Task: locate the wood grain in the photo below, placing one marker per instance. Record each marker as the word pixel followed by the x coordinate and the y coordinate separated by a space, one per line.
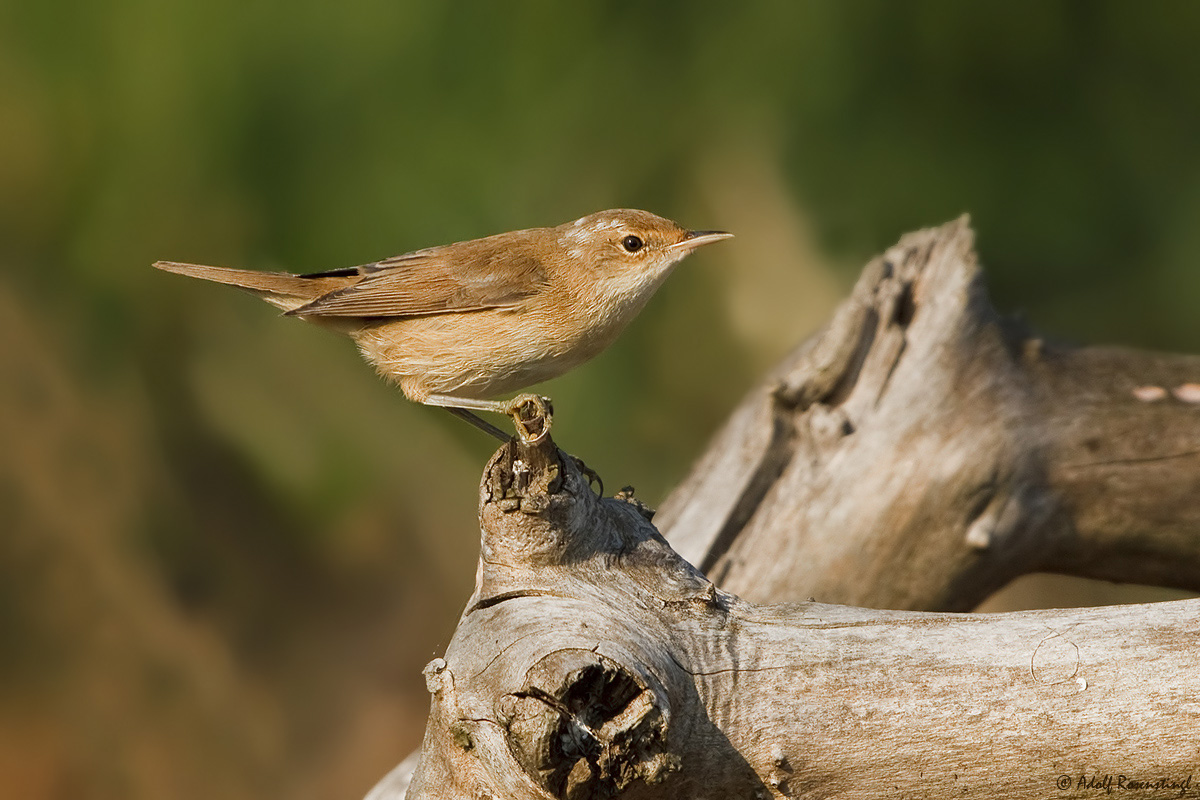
pixel 922 451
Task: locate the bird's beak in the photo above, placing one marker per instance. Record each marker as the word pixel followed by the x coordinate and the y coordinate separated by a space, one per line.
pixel 693 239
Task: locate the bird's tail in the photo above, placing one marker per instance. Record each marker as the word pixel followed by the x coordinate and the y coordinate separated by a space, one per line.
pixel 280 289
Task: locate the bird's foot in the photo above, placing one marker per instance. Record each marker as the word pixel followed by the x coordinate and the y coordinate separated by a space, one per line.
pixel 532 415
pixel 592 476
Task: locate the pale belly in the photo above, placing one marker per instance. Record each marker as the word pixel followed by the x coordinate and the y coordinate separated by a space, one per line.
pixel 479 355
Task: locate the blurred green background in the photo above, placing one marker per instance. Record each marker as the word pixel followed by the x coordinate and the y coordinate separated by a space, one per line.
pixel 227 548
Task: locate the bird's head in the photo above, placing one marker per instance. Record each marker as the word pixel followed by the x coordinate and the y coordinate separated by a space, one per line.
pixel 628 252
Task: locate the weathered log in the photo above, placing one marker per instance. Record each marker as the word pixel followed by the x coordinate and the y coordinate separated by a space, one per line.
pixel 595 662
pixel 921 452
pixel 918 453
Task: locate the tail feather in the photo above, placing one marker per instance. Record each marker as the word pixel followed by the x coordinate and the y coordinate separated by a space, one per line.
pixel 280 289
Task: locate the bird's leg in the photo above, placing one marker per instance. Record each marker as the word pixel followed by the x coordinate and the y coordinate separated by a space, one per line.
pixel 478 422
pixel 531 413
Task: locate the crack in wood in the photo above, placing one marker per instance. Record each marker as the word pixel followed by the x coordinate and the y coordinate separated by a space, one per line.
pixel 495 600
pixel 774 460
pixel 1114 462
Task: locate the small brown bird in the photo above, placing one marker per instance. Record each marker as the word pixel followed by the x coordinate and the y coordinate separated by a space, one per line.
pixel 459 324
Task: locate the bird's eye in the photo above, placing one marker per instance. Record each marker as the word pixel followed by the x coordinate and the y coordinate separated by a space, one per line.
pixel 632 244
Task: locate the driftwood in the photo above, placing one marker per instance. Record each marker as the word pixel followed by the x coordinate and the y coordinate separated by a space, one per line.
pixel 921 452
pixel 918 453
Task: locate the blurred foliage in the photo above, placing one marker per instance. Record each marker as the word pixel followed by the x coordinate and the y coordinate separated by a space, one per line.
pixel 228 548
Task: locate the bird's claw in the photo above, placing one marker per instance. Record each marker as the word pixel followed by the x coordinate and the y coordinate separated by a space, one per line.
pixel 591 475
pixel 532 416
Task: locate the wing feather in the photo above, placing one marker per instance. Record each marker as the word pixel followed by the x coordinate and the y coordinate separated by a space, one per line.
pixel 468 276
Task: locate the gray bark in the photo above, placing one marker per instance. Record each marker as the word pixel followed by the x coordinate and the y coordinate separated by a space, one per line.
pixel 594 662
pixel 916 454
pixel 921 452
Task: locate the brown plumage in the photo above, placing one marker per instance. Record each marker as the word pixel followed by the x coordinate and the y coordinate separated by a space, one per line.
pixel 456 324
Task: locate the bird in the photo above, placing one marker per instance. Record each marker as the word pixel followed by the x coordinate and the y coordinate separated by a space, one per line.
pixel 459 325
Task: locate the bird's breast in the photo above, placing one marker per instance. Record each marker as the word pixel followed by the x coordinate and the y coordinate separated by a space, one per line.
pixel 493 352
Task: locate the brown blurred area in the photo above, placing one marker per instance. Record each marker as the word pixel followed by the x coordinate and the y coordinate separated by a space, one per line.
pixel 172 626
pixel 227 549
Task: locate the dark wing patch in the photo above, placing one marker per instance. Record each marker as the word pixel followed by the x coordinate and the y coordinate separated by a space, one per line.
pixel 440 280
pixel 344 272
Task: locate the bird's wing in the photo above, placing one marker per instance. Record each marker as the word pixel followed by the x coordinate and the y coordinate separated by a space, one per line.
pixel 466 277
